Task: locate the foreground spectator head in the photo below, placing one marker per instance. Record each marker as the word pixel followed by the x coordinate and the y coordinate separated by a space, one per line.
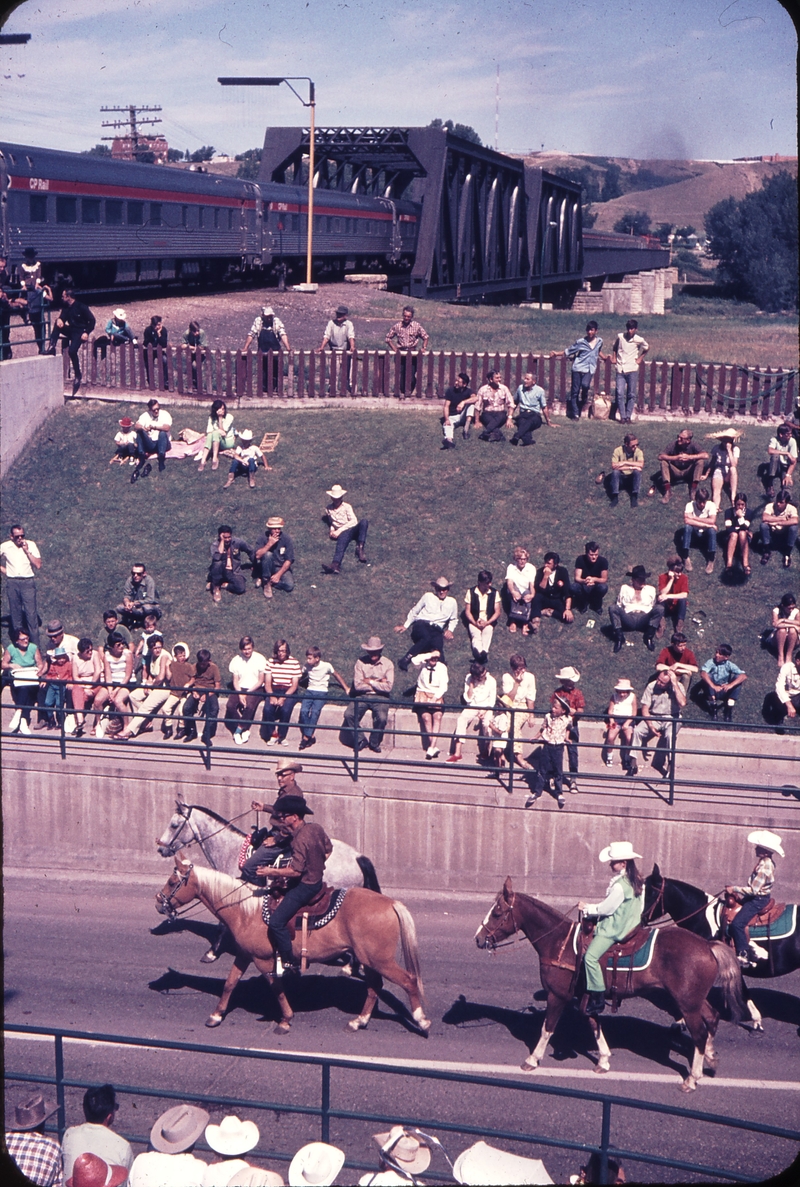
pixel 91 1171
pixel 178 1129
pixel 100 1104
pixel 30 1114
pixel 232 1136
pixel 477 671
pixel 373 648
pixel 638 575
pixel 441 586
pixel 517 663
pixel 316 1163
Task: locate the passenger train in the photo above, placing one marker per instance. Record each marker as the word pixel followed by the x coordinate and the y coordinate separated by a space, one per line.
pixel 116 223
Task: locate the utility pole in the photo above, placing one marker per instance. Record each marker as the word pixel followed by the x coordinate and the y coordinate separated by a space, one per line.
pixel 497 110
pixel 133 124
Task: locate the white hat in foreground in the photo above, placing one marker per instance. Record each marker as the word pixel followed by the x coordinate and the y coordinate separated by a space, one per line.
pixel 569 674
pixel 623 685
pixel 245 435
pixel 618 851
pixel 486 1166
pixel 766 840
pixel 383 1179
pixel 232 1136
pixel 253 1176
pixel 404 1149
pixel 315 1165
pixel 336 491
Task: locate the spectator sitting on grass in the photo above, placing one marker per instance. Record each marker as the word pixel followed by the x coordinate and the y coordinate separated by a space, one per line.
pixel 723 464
pixel 700 527
pixel 247 673
pixel 432 621
pixel 722 682
pixel 96 1135
pixel 636 609
pixel 627 463
pixel 782 459
pixel 680 658
pixel 125 441
pixel 590 583
pixel 152 433
pixel 787 688
pixel 682 462
pixel 248 455
pixel 493 406
pixel 274 557
pixel 737 528
pixel 531 403
pixel 113 625
pixel 521 588
pixel 317 673
pixel 219 434
pixel 139 597
pixel 673 593
pixel 344 527
pixel 779 528
pixel 482 608
pixel 786 625
pixel 226 563
pixel 553 597
pixel 458 409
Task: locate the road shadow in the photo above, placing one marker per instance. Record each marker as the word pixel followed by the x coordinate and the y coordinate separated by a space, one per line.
pixel 573 1037
pixel 207 931
pixel 308 995
pixel 777 1006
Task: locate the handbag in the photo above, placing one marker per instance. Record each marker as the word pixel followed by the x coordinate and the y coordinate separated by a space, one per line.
pixel 519 611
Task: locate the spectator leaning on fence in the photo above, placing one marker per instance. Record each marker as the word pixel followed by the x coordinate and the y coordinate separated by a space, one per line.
pixel 339 338
pixel 629 349
pixel 402 337
pixel 585 355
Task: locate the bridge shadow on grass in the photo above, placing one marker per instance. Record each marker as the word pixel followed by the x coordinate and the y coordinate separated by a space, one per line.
pixel 573 1037
pixel 309 994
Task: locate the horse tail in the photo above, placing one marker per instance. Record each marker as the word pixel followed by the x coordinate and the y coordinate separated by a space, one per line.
pixel 368 870
pixel 408 938
pixel 729 979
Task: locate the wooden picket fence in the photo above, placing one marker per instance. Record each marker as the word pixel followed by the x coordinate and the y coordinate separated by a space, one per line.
pixel 680 388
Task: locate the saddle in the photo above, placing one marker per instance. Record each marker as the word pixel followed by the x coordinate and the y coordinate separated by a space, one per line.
pixel 609 960
pixel 314 909
pixel 768 915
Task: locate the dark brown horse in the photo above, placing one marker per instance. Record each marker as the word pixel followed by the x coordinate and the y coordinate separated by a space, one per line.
pixel 682 964
pixel 367 924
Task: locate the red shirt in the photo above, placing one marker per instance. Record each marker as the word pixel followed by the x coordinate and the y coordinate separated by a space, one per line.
pixel 574 698
pixel 680 584
pixel 668 657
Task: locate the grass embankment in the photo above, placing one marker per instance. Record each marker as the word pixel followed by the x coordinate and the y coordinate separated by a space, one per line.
pixel 430 513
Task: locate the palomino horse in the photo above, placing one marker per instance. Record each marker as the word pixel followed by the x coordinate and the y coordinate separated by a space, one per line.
pixel 699 912
pixel 682 964
pixel 220 843
pixel 367 924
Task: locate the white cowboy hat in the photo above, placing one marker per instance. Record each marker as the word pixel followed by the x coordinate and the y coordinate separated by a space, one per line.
pixel 255 1177
pixel 404 1149
pixel 267 311
pixel 623 685
pixel 315 1165
pixel 618 851
pixel 441 583
pixel 178 1129
pixel 486 1166
pixel 245 435
pixel 382 1179
pixel 232 1136
pixel 766 840
pixel 119 313
pixel 569 674
pixel 336 491
pixel 185 647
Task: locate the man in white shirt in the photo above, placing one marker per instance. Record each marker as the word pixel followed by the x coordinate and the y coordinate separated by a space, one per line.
pixel 782 458
pixel 247 670
pixel 344 527
pixel 96 1135
pixel 494 404
pixel 628 350
pixel 480 697
pixel 700 525
pixel 340 336
pixel 152 433
pixel 779 528
pixel 19 563
pixel 787 688
pixel 432 620
pixel 636 609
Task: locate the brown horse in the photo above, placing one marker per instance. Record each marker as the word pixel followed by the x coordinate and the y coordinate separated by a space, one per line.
pixel 367 924
pixel 682 964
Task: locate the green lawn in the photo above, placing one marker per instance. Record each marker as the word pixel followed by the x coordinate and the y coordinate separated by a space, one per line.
pixel 430 513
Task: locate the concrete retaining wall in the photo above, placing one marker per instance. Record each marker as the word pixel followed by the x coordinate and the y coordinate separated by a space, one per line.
pixel 104 814
pixel 30 389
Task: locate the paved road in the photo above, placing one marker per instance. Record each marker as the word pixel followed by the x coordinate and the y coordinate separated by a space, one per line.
pixel 81 955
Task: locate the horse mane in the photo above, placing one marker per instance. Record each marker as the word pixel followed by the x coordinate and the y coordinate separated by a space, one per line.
pixel 222 888
pixel 554 915
pixel 685 887
pixel 216 816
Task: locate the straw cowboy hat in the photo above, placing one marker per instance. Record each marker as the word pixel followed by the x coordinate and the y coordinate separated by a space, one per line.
pixel 178 1128
pixel 275 521
pixel 618 851
pixel 766 840
pixel 30 1113
pixel 441 583
pixel 404 1149
pixel 255 1177
pixel 336 491
pixel 373 643
pixel 623 685
pixel 232 1136
pixel 569 674
pixel 288 764
pixel 725 435
pixel 245 435
pixel 90 1171
pixel 315 1165
pixel 485 1166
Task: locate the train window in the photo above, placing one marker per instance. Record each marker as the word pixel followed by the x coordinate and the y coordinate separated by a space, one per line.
pixel 155 214
pixel 200 215
pixel 90 210
pixel 295 222
pixel 337 225
pixel 217 213
pixel 66 209
pixel 113 212
pixel 38 208
pixel 230 219
pixel 184 216
pixel 135 214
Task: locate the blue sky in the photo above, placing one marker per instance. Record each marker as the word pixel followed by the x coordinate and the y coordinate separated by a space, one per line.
pixel 639 78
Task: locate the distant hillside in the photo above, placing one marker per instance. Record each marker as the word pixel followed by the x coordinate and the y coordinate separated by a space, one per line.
pixel 677 192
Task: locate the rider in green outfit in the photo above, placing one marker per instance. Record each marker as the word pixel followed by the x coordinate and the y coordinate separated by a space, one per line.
pixel 619 913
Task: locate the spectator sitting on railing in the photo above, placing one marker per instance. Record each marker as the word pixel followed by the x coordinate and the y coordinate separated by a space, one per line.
pixel 661 704
pixel 203 686
pixel 281 681
pixel 155 336
pixel 96 1136
pixel 87 669
pixel 117 675
pixel 373 679
pixel 126 443
pixel 317 673
pixel 519 692
pixel 172 1138
pixel 182 672
pixel 571 695
pixel 23 660
pixel 480 697
pixel 39 1158
pixel 118 333
pixel 74 325
pixel 139 597
pixel 432 684
pixel 247 675
pixel 154 691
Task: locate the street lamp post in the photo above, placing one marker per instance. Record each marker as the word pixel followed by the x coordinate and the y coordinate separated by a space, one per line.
pixel 312 104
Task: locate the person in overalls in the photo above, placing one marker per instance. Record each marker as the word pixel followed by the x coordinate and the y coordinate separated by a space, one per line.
pixel 756 894
pixel 619 913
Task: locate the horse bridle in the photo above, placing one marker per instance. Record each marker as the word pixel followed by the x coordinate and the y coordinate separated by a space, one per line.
pixel 185 812
pixel 166 900
pixel 650 911
pixel 491 942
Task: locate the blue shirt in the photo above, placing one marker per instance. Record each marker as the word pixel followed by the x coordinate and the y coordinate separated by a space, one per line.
pixel 532 399
pixel 722 673
pixel 584 355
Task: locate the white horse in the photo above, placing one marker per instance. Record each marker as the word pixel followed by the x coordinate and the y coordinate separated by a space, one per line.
pixel 194 827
